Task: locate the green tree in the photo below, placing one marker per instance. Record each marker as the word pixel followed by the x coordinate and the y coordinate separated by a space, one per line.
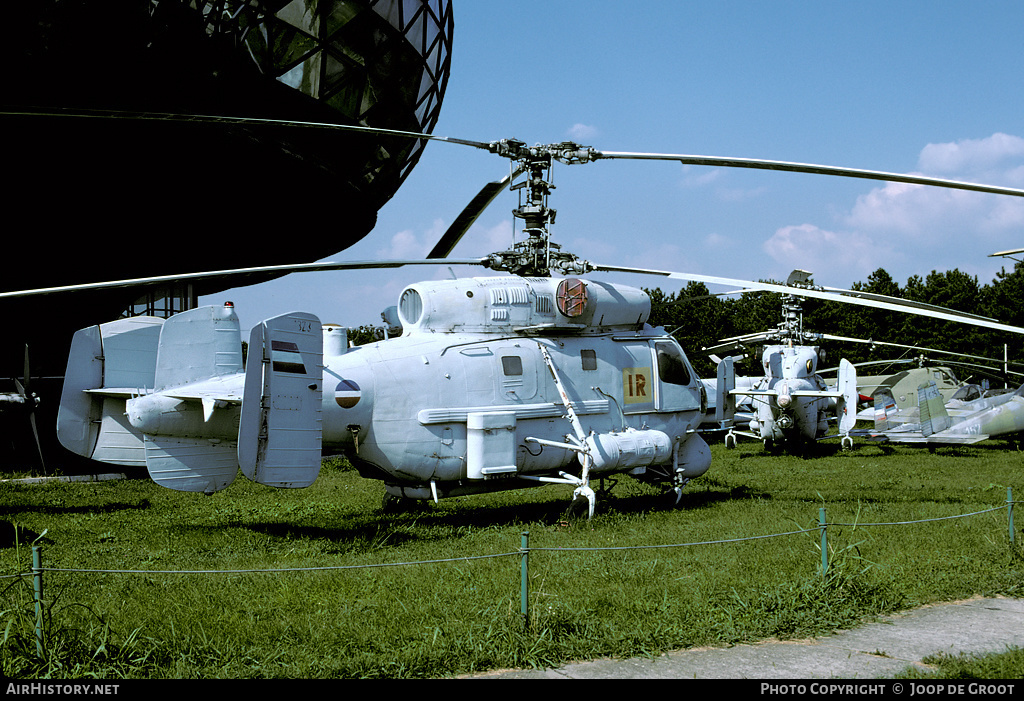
pixel 694 317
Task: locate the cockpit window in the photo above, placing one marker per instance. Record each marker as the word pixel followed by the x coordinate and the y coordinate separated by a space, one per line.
pixel 672 368
pixel 968 393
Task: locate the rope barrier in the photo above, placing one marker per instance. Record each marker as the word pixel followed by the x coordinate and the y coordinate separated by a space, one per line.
pixel 286 569
pixel 924 520
pixel 513 553
pixel 524 551
pixel 675 545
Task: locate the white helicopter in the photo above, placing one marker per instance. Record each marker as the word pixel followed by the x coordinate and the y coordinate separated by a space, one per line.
pixel 791 404
pixel 496 383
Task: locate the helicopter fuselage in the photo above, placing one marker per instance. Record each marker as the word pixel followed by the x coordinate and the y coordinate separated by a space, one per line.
pixel 459 410
pixel 469 402
pixel 792 405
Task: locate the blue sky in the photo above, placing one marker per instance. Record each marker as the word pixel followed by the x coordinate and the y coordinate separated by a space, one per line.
pixel 903 86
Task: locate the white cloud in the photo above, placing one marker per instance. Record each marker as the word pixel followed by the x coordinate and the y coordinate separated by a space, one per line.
pixel 971 155
pixel 944 223
pixel 834 257
pixel 409 244
pixel 490 239
pixel 699 177
pixel 582 132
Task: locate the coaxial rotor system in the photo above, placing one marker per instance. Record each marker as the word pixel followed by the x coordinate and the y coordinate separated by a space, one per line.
pixel 537 254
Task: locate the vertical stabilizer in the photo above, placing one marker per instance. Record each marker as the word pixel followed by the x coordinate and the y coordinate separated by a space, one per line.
pixel 934 417
pixel 189 442
pixel 280 433
pixel 191 464
pixel 885 409
pixel 107 364
pixel 725 400
pixel 198 345
pixel 846 407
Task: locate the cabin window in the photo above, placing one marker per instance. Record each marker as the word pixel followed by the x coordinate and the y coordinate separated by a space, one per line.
pixel 512 365
pixel 589 358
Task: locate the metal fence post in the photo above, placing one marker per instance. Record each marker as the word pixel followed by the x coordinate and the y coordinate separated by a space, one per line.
pixel 37 585
pixel 1009 508
pixel 824 541
pixel 524 579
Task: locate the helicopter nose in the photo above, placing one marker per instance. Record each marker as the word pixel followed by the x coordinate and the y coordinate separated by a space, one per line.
pixel 784 398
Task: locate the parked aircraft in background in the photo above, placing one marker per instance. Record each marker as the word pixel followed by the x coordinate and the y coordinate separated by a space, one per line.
pixel 936 422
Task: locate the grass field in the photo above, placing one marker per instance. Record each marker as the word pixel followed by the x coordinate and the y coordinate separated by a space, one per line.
pixel 189 613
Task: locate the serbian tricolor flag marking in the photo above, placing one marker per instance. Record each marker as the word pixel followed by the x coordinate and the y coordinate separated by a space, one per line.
pixel 286 357
pixel 347 394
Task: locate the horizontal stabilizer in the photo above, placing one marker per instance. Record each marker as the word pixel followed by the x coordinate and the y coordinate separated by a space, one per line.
pixel 916 437
pixel 191 464
pixel 280 432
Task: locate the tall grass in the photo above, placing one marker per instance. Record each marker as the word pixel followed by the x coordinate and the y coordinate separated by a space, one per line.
pixel 452 617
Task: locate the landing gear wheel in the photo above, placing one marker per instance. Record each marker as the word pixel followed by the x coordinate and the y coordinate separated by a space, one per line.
pixel 847 443
pixel 392 504
pixel 730 440
pixel 678 487
pixel 583 500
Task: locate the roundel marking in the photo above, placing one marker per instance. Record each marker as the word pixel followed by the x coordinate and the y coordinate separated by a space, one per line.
pixel 347 394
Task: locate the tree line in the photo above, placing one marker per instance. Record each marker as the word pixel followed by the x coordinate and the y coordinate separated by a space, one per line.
pixel 699 320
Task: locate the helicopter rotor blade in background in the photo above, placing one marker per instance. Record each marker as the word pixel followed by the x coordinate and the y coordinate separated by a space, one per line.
pixel 872 342
pixel 844 296
pixel 468 216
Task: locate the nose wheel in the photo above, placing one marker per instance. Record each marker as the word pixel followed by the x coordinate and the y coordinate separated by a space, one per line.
pixel 680 482
pixel 583 497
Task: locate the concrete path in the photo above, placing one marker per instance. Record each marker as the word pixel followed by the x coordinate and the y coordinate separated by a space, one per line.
pixel 872 651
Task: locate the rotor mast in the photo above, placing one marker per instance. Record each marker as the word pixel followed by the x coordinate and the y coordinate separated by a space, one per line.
pixel 538 255
pixel 791 329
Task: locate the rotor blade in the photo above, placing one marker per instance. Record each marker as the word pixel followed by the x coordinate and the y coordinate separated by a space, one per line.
pixel 903 345
pixel 39 444
pixel 899 300
pixel 468 216
pixel 283 269
pixel 578 154
pixel 240 121
pixel 847 296
pixel 809 168
pixel 1011 252
pixel 27 374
